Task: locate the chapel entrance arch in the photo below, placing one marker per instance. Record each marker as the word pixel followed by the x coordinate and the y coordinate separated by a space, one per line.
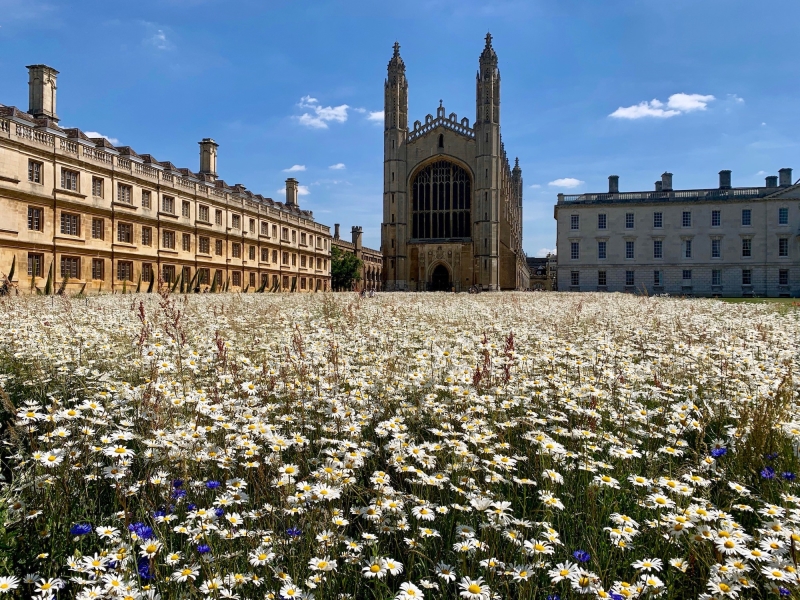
pixel 440 279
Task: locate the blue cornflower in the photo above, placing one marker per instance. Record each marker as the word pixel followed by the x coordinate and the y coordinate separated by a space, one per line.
pixel 143 531
pixel 788 476
pixel 219 511
pixel 717 452
pixel 784 591
pixel 143 567
pixel 293 532
pixel 191 506
pixel 212 485
pixel 177 483
pixel 771 456
pixel 553 597
pixel 617 596
pixel 768 473
pixel 159 513
pixel 204 548
pixel 80 529
pixel 178 493
pixel 581 556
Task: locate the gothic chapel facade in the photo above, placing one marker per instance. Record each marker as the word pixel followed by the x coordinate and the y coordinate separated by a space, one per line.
pixel 452 205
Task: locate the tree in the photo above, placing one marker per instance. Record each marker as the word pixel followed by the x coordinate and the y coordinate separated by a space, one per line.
pixel 345 269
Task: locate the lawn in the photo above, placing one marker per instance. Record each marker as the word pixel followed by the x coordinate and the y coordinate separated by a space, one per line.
pixel 405 446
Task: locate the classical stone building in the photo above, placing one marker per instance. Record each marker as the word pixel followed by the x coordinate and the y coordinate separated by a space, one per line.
pixel 106 218
pixel 371 260
pixel 452 205
pixel 723 241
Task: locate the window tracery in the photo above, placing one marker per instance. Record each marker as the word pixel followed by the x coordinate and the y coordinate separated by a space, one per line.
pixel 441 197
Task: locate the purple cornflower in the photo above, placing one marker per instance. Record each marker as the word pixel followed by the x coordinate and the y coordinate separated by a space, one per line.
pixel 293 532
pixel 581 556
pixel 204 548
pixel 788 476
pixel 80 529
pixel 717 452
pixel 212 485
pixel 771 456
pixel 768 473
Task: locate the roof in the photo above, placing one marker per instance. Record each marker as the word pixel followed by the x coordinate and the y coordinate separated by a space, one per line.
pixel 700 195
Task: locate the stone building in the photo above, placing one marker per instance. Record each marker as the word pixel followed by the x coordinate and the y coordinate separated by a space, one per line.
pixel 107 218
pixel 371 260
pixel 723 241
pixel 452 204
pixel 542 272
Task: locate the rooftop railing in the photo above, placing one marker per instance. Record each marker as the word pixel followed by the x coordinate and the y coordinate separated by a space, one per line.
pixel 706 194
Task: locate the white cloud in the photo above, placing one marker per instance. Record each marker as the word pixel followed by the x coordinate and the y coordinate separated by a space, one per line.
pixel 337 167
pixel 95 134
pixel 159 40
pixel 761 173
pixel 736 98
pixel 566 182
pixel 375 115
pixel 295 169
pixel 535 186
pixel 360 110
pixel 545 251
pixel 322 115
pixel 676 105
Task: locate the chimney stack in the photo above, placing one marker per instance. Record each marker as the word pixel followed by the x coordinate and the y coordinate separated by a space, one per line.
pixel 42 91
pixel 613 184
pixel 666 182
pixel 725 179
pixel 336 231
pixel 208 157
pixel 291 192
pixel 772 181
pixel 658 186
pixel 356 233
pixel 785 177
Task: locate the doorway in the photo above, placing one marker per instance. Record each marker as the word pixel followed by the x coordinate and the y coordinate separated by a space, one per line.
pixel 440 279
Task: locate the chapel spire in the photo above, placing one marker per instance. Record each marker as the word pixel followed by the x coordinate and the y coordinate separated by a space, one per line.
pixel 395 104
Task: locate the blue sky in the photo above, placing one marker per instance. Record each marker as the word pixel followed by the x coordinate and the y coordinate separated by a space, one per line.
pixel 702 85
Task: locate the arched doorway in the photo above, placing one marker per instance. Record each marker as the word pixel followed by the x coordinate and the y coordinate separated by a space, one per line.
pixel 440 279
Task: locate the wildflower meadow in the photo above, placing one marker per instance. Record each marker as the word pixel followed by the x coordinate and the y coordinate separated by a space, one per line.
pixel 408 446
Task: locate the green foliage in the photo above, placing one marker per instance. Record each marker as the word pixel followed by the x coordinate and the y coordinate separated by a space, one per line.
pixel 345 269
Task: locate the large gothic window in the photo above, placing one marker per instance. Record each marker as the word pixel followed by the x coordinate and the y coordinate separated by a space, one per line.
pixel 440 202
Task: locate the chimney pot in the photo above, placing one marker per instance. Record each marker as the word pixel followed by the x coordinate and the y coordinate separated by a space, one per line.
pixel 356 233
pixel 785 177
pixel 208 157
pixel 613 184
pixel 291 192
pixel 42 91
pixel 336 231
pixel 666 182
pixel 658 186
pixel 772 181
pixel 725 179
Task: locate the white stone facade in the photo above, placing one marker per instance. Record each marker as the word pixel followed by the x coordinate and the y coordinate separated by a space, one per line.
pixel 715 242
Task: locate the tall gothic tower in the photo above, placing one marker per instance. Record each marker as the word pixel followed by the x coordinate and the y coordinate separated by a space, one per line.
pixel 395 202
pixel 488 158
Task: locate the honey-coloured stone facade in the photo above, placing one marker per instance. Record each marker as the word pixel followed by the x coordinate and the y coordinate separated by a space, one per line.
pixel 106 218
